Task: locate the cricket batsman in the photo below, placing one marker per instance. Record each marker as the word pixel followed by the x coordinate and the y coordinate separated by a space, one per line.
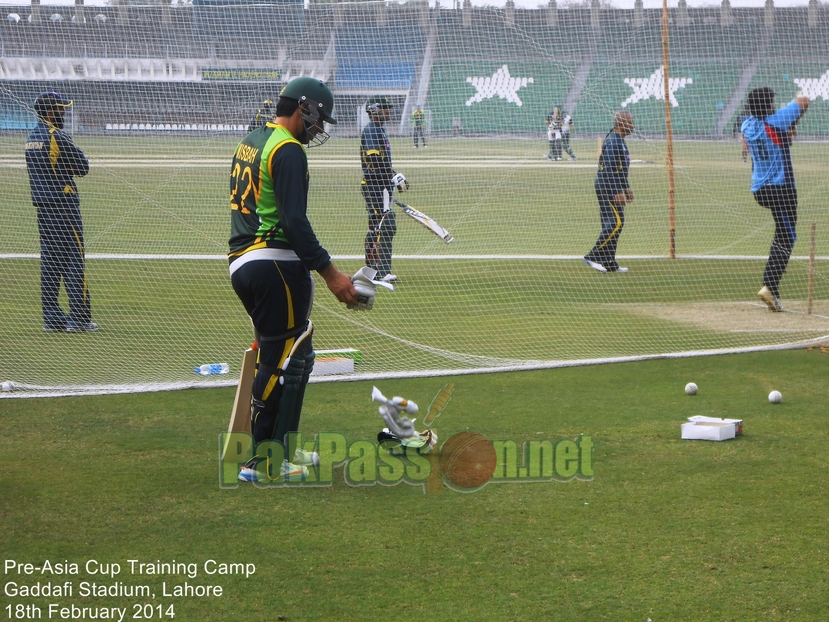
pixel 379 183
pixel 273 249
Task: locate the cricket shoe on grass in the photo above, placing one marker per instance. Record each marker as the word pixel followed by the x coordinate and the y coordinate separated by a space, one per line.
pixel 248 471
pixel 306 458
pixel 594 265
pixel 81 327
pixel 617 268
pixel 294 472
pixel 289 472
pixel 772 301
pixel 389 278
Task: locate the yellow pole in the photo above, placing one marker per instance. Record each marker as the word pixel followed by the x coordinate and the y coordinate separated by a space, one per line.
pixel 669 157
pixel 811 270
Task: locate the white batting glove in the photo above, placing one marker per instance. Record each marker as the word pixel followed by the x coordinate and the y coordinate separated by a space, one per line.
pixel 390 409
pixel 363 282
pixel 399 182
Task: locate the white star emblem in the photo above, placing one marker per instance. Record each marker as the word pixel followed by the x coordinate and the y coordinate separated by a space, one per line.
pixel 814 87
pixel 654 86
pixel 499 83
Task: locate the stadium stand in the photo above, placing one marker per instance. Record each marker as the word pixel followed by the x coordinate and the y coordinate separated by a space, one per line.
pixel 377 57
pixel 414 52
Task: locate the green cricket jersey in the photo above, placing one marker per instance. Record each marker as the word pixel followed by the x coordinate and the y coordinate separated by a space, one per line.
pixel 269 197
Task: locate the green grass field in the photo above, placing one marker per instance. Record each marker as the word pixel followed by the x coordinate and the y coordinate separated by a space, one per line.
pixel 457 306
pixel 665 530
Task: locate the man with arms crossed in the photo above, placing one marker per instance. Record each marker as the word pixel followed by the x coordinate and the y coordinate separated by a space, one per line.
pixel 273 248
pixel 768 136
pixel 53 161
pixel 613 192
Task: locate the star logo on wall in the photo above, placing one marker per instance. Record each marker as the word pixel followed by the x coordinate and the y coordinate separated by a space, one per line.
pixel 814 87
pixel 499 83
pixel 654 86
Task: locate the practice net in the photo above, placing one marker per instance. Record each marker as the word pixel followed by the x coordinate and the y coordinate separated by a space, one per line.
pixel 163 93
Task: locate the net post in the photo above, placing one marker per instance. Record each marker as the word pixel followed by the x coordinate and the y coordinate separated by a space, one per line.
pixel 811 289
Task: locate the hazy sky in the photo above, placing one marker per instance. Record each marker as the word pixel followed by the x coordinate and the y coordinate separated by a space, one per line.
pixel 528 4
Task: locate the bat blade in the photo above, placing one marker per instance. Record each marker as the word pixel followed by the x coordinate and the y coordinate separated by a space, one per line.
pixel 240 417
pixel 426 221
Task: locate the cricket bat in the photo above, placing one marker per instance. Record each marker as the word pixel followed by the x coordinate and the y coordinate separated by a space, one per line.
pixel 240 417
pixel 427 222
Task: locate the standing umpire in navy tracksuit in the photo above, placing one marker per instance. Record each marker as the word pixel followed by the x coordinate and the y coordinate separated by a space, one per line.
pixel 53 161
pixel 613 192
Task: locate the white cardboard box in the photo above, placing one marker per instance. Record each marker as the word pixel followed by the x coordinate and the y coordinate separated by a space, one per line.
pixel 329 365
pixel 711 428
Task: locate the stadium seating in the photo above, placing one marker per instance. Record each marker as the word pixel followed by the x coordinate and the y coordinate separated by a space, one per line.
pixel 378 57
pixel 364 48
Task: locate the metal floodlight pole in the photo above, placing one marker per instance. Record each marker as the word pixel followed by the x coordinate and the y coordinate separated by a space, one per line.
pixel 669 157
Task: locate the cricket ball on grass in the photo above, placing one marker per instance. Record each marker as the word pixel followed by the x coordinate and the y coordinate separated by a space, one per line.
pixel 468 459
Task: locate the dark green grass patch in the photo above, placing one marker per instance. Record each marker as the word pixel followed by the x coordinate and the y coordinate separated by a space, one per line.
pixel 666 529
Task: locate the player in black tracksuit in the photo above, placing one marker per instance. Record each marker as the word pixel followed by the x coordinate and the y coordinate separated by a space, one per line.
pixel 53 161
pixel 378 185
pixel 613 192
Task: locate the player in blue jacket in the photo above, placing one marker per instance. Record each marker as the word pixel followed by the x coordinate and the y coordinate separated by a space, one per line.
pixel 768 135
pixel 53 161
pixel 613 192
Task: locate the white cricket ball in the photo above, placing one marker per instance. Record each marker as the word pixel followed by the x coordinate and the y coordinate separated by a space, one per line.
pixel 691 388
pixel 8 385
pixel 775 397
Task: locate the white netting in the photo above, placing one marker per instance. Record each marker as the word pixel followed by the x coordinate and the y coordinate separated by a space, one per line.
pixel 164 92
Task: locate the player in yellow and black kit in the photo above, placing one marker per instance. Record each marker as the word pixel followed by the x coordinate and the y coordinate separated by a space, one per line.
pixel 418 117
pixel 262 116
pixel 379 183
pixel 273 249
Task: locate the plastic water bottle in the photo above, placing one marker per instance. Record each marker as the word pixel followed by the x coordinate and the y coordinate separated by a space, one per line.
pixel 213 368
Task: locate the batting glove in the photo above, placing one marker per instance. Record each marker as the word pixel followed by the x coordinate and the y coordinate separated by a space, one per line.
pixel 399 182
pixel 366 286
pixel 390 409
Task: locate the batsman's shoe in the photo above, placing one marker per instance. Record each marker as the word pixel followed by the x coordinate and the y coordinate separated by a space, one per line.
pixel 289 472
pixel 81 327
pixel 294 472
pixel 389 278
pixel 248 471
pixel 772 301
pixel 305 458
pixel 594 265
pixel 617 268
